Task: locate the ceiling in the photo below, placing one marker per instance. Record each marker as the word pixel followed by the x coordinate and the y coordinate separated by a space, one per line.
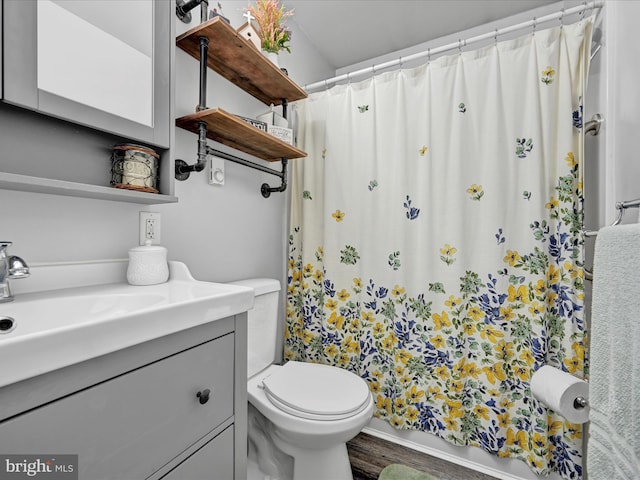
pixel 346 32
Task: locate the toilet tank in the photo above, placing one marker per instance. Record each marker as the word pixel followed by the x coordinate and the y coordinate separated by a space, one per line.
pixel 262 324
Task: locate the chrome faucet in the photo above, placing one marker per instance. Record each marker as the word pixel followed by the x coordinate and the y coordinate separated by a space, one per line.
pixel 10 267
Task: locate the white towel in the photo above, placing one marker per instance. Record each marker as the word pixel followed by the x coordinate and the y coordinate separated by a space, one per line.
pixel 613 451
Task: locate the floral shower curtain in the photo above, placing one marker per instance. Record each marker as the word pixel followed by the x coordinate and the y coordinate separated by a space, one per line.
pixel 435 245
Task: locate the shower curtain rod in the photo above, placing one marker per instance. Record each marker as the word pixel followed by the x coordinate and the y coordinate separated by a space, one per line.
pixel 460 43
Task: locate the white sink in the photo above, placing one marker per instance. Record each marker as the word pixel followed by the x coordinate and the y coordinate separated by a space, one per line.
pixel 57 328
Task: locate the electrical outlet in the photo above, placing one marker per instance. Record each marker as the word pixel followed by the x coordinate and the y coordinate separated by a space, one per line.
pixel 150 228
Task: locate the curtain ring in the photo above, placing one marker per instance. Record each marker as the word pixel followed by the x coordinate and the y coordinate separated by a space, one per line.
pixel 584 10
pixel 459 46
pixel 326 84
pixel 495 38
pixel 349 78
pixel 428 56
pixel 562 18
pixel 400 61
pixel 535 24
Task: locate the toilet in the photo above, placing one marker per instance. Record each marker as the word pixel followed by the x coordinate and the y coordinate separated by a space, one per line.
pixel 300 414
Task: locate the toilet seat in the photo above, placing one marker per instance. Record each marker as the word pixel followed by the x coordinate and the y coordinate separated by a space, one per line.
pixel 316 392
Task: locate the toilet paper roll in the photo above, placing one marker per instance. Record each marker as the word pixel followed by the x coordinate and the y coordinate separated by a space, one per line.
pixel 558 390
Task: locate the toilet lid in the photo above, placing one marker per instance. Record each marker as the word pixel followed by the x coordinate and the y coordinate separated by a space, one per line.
pixel 315 391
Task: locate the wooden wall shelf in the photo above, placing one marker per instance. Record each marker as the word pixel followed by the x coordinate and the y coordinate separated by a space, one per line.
pixel 229 130
pixel 237 60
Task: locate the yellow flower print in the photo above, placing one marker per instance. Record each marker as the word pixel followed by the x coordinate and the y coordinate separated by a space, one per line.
pixel 475 313
pixel 553 275
pixel 475 191
pixel 406 380
pixel 335 320
pixel 456 386
pixel 411 414
pixel 399 370
pixel 296 276
pixel 469 329
pixel 318 276
pixel 397 422
pixel 487 332
pixel 521 372
pixel 308 269
pixel 574 430
pixel 518 295
pixel 351 345
pixel 547 75
pixel 536 309
pixel 539 441
pixel 527 356
pixel 455 408
pixel 481 411
pixel 383 403
pixel 573 364
pixel 453 302
pixel 414 395
pixel 308 337
pixel 343 295
pixel 540 288
pixel 471 370
pixel 494 372
pixel 572 270
pixel 338 215
pixel 451 423
pixel 378 374
pixel 434 392
pixel 343 359
pixel 578 347
pixel 571 160
pixel 441 320
pixel 389 342
pixel 535 461
pixel 331 304
pixel 552 206
pixel 374 387
pixel 518 438
pixel 331 350
pixel 378 329
pixel 357 282
pixel 504 420
pixel 423 150
pixel 399 404
pixel 511 257
pixel 442 372
pixel 403 356
pixel 507 312
pixel 506 403
pixel 437 342
pixel 504 350
pixel 446 254
pixel 367 317
pixel 397 290
pixel 555 427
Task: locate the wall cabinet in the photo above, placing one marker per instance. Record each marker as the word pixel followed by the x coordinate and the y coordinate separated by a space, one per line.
pixel 94 65
pixel 181 415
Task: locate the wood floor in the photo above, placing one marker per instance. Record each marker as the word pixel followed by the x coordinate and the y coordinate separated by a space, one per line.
pixel 369 455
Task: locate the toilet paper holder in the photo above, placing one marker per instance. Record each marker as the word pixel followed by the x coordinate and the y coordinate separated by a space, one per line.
pixel 580 402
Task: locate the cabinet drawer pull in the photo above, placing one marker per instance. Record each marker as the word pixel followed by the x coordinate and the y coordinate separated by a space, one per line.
pixel 203 396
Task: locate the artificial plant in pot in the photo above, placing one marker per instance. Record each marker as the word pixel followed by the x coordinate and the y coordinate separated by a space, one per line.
pixel 271 18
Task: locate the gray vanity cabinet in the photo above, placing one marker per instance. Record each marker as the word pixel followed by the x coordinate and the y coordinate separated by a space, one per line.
pixel 174 408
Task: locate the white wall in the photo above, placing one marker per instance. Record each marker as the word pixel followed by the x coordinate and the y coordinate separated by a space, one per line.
pixel 221 233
